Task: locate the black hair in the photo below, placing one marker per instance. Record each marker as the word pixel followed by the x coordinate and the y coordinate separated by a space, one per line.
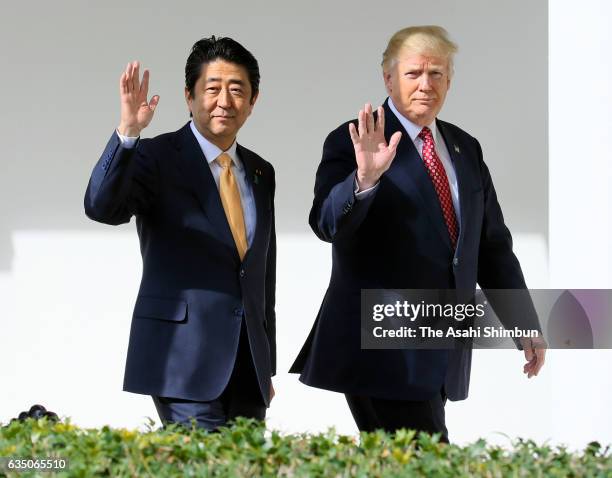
pixel 210 49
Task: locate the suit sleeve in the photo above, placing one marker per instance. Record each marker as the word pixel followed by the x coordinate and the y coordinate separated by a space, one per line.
pixel 271 284
pixel 498 266
pixel 124 182
pixel 335 212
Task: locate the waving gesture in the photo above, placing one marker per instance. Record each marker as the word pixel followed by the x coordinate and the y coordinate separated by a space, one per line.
pixel 136 111
pixel 373 154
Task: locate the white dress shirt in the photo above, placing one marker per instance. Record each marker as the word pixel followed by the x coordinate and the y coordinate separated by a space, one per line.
pixel 413 131
pixel 211 153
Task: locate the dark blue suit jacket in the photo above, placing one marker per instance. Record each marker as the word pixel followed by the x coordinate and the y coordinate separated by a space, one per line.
pixel 194 290
pixel 396 238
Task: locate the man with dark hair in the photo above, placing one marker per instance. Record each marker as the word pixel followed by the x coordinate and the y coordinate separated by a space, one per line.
pixel 202 340
pixel 210 49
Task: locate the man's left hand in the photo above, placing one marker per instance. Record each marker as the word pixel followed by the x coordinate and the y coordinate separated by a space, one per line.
pixel 535 351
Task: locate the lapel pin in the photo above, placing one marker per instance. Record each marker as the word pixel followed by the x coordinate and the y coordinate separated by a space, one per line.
pixel 256 176
pixel 457 150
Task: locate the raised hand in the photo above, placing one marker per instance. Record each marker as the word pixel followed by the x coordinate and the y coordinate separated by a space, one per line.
pixel 373 154
pixel 136 111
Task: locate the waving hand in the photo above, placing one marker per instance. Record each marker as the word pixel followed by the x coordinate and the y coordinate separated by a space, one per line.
pixel 136 111
pixel 372 152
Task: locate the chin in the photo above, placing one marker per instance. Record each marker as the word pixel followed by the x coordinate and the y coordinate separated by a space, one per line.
pixel 223 132
pixel 426 113
pixel 220 129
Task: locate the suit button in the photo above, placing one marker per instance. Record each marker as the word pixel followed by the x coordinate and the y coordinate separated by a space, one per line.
pixel 456 261
pixel 238 312
pixel 242 273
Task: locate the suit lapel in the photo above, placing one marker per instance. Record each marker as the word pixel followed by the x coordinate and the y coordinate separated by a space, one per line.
pixel 408 169
pixel 456 154
pixel 255 180
pixel 199 177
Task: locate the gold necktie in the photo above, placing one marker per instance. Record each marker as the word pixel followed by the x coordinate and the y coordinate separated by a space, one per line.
pixel 230 198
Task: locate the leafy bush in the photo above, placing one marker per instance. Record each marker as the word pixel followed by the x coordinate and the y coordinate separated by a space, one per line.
pixel 247 449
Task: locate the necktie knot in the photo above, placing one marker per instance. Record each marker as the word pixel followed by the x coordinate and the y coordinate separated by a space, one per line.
pixel 426 134
pixel 224 160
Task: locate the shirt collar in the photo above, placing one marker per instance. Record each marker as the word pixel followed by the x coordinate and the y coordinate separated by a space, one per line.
pixel 412 129
pixel 211 151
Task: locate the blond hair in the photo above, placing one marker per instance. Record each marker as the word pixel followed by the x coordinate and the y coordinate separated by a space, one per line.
pixel 430 39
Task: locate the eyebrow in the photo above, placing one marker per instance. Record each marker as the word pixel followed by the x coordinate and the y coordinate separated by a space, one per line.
pixel 432 66
pixel 432 70
pixel 231 80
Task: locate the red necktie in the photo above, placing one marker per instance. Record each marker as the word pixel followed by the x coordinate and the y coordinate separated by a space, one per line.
pixel 440 181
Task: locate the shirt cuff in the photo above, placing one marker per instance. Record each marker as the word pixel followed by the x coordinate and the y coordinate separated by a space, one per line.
pixel 127 142
pixel 366 192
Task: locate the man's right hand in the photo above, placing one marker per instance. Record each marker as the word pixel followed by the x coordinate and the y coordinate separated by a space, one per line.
pixel 136 112
pixel 372 153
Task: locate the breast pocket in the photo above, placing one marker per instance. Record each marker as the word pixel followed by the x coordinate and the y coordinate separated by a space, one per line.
pixel 174 310
pixel 477 202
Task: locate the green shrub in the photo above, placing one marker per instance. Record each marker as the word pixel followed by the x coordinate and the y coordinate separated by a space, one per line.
pixel 248 449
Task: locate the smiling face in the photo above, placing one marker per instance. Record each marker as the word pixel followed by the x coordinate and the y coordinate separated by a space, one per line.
pixel 221 101
pixel 417 83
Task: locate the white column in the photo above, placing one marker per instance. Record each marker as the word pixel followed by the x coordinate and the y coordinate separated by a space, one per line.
pixel 580 204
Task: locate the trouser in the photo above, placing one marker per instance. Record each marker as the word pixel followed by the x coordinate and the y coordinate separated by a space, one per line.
pixel 372 413
pixel 241 397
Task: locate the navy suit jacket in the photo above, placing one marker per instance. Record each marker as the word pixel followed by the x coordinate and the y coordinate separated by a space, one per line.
pixel 194 291
pixel 396 238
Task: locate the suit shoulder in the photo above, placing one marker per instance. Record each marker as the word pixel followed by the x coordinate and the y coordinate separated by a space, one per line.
pixel 457 131
pixel 342 131
pixel 340 137
pixel 163 139
pixel 256 158
pixel 157 144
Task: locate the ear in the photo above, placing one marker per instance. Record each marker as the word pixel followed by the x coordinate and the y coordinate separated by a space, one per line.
pixel 188 99
pixel 387 80
pixel 252 103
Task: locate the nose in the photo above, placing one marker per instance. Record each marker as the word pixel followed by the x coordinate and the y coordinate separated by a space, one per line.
pixel 425 83
pixel 224 98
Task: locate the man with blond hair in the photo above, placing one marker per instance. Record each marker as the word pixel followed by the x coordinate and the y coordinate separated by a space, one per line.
pixel 408 203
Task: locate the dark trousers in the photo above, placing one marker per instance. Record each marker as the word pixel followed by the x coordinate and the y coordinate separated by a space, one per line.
pixel 372 413
pixel 241 397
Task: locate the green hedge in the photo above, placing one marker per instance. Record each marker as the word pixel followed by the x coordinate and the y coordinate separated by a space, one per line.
pixel 248 449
